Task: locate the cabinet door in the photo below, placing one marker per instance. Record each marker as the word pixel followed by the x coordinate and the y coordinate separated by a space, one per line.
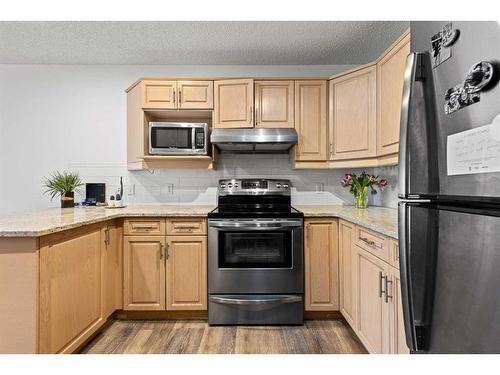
pixel 347 272
pixel 310 119
pixel 70 289
pixel 321 265
pixel 397 327
pixel 353 115
pixel 144 273
pixel 159 94
pixel 112 262
pixel 274 104
pixel 195 94
pixel 373 310
pixel 390 76
pixel 233 103
pixel 186 273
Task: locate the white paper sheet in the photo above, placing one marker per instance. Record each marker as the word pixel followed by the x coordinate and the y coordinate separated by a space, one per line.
pixel 474 151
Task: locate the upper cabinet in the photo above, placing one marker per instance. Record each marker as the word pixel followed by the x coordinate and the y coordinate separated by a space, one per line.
pixel 390 75
pixel 233 103
pixel 310 119
pixel 274 104
pixel 353 115
pixel 159 94
pixel 195 94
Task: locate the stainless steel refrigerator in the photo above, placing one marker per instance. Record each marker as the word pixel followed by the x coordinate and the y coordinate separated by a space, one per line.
pixel 449 208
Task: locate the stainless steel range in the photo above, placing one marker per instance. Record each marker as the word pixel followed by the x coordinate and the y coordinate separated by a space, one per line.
pixel 255 255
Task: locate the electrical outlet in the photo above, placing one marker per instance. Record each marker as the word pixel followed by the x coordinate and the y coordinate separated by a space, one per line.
pixel 131 189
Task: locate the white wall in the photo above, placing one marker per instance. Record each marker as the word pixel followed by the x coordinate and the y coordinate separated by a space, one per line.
pixel 74 117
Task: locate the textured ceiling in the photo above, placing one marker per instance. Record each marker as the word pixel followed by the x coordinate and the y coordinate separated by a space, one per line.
pixel 196 43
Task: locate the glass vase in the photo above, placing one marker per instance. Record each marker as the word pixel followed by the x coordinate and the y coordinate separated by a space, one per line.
pixel 361 198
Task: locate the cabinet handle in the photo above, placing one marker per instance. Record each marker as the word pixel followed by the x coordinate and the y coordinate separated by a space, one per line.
pixel 251 115
pixel 368 242
pixel 161 251
pixel 387 296
pixel 106 236
pixel 174 96
pixel 381 277
pixel 168 246
pixel 180 97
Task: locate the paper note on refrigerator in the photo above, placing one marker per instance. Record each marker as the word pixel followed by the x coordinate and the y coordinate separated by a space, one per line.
pixel 473 151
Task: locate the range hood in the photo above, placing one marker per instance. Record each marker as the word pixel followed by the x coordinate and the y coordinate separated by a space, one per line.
pixel 266 140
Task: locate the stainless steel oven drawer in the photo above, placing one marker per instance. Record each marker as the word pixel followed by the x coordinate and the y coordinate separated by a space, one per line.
pixel 263 309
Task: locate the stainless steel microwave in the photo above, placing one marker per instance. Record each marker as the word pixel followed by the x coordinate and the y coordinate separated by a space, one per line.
pixel 178 138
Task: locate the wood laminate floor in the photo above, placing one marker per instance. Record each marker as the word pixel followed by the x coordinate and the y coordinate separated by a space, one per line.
pixel 189 337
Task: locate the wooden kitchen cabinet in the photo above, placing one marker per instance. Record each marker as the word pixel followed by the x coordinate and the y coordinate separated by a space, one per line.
pixel 70 289
pixel 144 273
pixel 373 310
pixel 347 272
pixel 274 104
pixel 233 105
pixel 396 325
pixel 157 94
pixel 310 120
pixel 390 77
pixel 112 265
pixel 195 94
pixel 321 265
pixel 353 115
pixel 186 273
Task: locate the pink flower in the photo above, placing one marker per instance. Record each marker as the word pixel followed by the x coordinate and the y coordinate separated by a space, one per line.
pixel 382 184
pixel 347 180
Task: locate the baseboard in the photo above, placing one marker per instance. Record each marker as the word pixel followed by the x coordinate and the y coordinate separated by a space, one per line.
pixel 322 315
pixel 158 315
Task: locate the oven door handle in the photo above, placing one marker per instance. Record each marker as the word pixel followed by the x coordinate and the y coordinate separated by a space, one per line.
pixel 265 301
pixel 254 224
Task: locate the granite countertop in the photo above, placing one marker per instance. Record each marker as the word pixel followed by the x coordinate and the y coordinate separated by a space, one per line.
pixel 40 223
pixel 380 219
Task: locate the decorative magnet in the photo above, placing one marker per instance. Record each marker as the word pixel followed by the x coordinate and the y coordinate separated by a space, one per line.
pixel 462 95
pixel 441 42
pixel 479 76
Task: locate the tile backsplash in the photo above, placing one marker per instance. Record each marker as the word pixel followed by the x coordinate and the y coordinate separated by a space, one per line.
pixel 198 186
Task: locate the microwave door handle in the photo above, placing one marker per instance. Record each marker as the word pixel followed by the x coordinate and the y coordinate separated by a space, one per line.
pixel 193 137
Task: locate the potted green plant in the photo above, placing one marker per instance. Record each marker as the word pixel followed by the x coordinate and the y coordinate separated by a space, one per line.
pixel 358 186
pixel 63 184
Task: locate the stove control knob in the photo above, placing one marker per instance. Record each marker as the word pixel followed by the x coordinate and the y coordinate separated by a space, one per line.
pixel 285 186
pixel 236 185
pixel 222 186
pixel 278 186
pixel 230 185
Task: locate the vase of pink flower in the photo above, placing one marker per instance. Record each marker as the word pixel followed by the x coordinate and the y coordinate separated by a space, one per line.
pixel 359 185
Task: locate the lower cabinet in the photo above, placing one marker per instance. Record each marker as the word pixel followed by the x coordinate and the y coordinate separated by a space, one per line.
pixel 373 309
pixel 321 265
pixel 167 272
pixel 370 293
pixel 70 289
pixel 186 273
pixel 347 268
pixel 144 273
pixel 112 265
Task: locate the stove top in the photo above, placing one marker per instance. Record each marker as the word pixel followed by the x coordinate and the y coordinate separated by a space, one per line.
pixel 245 198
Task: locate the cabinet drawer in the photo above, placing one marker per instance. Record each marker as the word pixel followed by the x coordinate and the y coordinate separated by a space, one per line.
pixel 186 226
pixel 147 226
pixel 394 250
pixel 375 243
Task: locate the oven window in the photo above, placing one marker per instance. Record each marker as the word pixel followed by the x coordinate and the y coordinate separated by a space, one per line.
pixel 255 250
pixel 171 138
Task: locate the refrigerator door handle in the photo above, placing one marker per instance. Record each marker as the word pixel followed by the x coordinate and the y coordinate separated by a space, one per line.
pixel 405 279
pixel 412 74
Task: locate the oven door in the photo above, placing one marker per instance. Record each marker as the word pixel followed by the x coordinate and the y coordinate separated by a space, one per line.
pixel 255 256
